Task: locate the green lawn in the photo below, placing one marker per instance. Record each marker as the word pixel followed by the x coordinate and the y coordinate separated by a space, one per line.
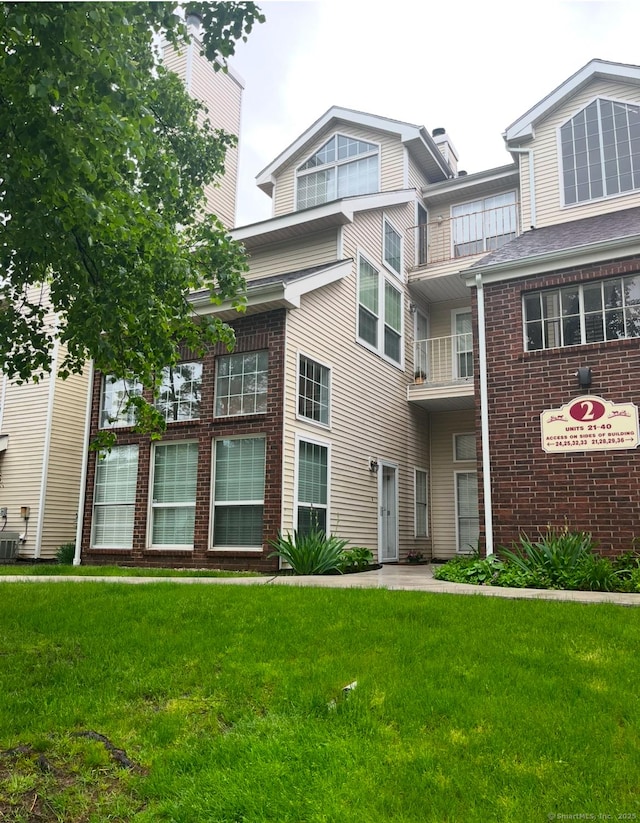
pixel 227 704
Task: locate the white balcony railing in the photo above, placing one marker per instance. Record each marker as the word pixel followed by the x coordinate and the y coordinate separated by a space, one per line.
pixel 444 361
pixel 464 235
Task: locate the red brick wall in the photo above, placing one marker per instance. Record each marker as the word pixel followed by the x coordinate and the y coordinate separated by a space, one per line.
pixel 254 333
pixel 597 492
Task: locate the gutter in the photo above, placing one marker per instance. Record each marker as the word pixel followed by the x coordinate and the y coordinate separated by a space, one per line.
pixel 83 470
pixel 484 419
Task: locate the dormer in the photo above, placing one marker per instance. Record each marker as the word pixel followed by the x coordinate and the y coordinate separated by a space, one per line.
pixel 347 153
pixel 579 148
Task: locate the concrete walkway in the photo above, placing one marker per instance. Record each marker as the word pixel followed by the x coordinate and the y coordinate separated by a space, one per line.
pixel 402 578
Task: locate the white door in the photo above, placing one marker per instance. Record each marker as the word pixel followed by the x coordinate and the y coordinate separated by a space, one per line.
pixel 388 497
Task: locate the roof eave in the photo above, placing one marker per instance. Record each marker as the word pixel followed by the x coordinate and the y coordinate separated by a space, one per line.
pixel 328 215
pixel 540 263
pixel 262 297
pixel 523 128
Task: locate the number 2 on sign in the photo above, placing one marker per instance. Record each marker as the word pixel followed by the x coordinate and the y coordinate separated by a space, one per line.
pixel 584 410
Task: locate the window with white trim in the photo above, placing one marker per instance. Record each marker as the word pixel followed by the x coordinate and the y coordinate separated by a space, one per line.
pixel 312 490
pixel 467 519
pixel 173 506
pixel 600 149
pixel 583 313
pixel 179 394
pixel 116 392
pixel 464 447
pixel 313 391
pixel 421 503
pixel 342 167
pixel 484 225
pixel 238 492
pixel 114 498
pixel 241 384
pixel 392 243
pixel 379 311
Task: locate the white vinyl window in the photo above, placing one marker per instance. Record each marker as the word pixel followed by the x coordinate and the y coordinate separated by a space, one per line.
pixel 313 391
pixel 114 498
pixel 379 311
pixel 342 167
pixel 583 313
pixel 464 447
pixel 241 384
pixel 392 242
pixel 312 488
pixel 115 395
pixel 467 520
pixel 600 148
pixel 421 503
pixel 173 505
pixel 484 225
pixel 238 492
pixel 179 394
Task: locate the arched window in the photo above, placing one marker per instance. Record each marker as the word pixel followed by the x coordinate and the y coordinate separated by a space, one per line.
pixel 342 167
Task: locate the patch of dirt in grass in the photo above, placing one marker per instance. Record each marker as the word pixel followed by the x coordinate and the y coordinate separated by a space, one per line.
pixel 74 778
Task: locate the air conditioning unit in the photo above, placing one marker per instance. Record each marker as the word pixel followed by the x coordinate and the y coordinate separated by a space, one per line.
pixel 9 542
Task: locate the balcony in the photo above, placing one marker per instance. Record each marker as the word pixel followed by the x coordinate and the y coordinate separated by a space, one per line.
pixel 443 378
pixel 469 234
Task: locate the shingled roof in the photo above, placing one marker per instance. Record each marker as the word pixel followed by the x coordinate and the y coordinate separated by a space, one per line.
pixel 564 236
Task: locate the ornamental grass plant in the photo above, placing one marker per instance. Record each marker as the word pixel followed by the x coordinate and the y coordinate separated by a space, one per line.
pixel 310 552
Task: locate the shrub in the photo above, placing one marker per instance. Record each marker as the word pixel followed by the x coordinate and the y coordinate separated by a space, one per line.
pixel 66 553
pixel 470 569
pixel 355 559
pixel 310 552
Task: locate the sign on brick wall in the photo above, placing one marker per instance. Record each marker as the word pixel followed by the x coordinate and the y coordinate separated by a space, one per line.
pixel 589 423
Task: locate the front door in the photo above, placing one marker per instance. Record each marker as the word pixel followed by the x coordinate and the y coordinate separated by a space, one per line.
pixel 388 497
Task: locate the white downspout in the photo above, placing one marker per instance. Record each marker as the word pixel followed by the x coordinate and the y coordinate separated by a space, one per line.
pixel 532 185
pixel 484 419
pixel 83 470
pixel 46 449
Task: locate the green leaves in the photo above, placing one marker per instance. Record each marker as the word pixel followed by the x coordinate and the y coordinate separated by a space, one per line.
pixel 311 552
pixel 101 188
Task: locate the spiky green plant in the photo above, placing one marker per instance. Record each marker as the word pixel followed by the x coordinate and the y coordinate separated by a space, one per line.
pixel 312 552
pixel 557 555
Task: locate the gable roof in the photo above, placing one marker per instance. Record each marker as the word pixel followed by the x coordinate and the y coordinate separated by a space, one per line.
pixel 578 241
pixel 523 128
pixel 416 138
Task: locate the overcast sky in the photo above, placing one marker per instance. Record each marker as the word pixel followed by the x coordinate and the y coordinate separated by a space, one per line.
pixel 472 67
